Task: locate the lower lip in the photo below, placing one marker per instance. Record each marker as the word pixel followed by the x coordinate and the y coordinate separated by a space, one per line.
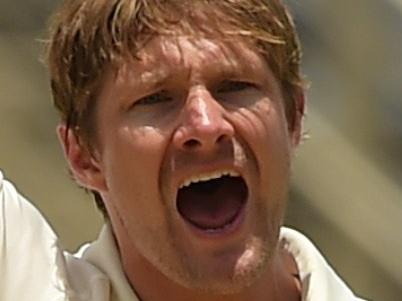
pixel 228 230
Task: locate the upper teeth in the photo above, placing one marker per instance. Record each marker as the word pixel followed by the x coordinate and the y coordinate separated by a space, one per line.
pixel 208 176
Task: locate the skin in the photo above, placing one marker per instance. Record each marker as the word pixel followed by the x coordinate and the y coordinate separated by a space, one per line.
pixel 182 110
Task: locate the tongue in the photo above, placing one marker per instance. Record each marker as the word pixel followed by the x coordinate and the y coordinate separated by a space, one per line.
pixel 212 204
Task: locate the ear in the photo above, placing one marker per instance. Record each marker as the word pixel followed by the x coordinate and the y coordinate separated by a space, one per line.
pixel 85 168
pixel 296 128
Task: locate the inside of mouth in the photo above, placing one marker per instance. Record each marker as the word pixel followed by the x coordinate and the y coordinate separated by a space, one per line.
pixel 212 204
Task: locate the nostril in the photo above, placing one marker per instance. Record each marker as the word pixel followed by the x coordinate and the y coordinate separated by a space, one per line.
pixel 195 143
pixel 191 143
pixel 222 138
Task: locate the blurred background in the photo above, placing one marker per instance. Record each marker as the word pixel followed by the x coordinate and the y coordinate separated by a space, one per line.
pixel 346 193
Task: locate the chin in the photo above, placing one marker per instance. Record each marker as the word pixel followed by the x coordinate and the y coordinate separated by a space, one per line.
pixel 230 277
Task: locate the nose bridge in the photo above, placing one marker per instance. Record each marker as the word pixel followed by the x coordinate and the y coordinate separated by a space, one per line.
pixel 203 123
pixel 201 109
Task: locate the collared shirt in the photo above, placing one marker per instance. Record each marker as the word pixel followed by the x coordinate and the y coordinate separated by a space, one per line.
pixel 34 267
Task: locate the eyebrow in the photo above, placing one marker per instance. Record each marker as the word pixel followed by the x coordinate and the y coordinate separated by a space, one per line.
pixel 153 78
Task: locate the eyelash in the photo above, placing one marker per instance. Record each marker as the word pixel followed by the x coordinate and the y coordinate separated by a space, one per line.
pixel 234 86
pixel 224 87
pixel 154 98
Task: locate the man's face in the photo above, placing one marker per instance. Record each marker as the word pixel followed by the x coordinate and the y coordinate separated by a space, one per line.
pixel 194 148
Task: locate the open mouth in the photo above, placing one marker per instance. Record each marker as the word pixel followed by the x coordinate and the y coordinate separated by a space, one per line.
pixel 212 204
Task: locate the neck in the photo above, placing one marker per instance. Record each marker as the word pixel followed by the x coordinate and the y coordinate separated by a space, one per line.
pixel 278 282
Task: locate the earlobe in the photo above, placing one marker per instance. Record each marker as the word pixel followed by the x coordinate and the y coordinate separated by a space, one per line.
pixel 85 168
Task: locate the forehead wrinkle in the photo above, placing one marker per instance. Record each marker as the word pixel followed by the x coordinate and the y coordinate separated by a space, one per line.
pixel 213 57
pixel 146 72
pixel 156 63
pixel 235 59
pixel 247 60
pixel 173 57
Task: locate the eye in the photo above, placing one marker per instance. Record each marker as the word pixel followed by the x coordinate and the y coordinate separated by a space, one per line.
pixel 155 98
pixel 229 86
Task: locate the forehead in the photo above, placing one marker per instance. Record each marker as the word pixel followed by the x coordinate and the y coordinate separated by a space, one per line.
pixel 191 56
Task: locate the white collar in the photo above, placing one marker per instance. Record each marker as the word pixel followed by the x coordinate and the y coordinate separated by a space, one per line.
pixel 319 281
pixel 104 255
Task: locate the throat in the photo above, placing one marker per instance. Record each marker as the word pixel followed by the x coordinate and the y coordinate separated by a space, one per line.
pixel 212 204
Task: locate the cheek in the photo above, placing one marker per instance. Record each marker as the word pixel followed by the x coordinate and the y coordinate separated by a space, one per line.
pixel 135 150
pixel 275 145
pixel 131 165
pixel 263 128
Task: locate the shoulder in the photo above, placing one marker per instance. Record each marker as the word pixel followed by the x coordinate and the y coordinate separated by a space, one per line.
pixel 28 246
pixel 33 265
pixel 20 221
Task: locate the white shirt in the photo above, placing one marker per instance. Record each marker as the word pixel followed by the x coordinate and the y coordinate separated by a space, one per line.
pixel 33 266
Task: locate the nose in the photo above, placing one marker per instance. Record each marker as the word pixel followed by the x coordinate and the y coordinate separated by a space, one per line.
pixel 203 125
